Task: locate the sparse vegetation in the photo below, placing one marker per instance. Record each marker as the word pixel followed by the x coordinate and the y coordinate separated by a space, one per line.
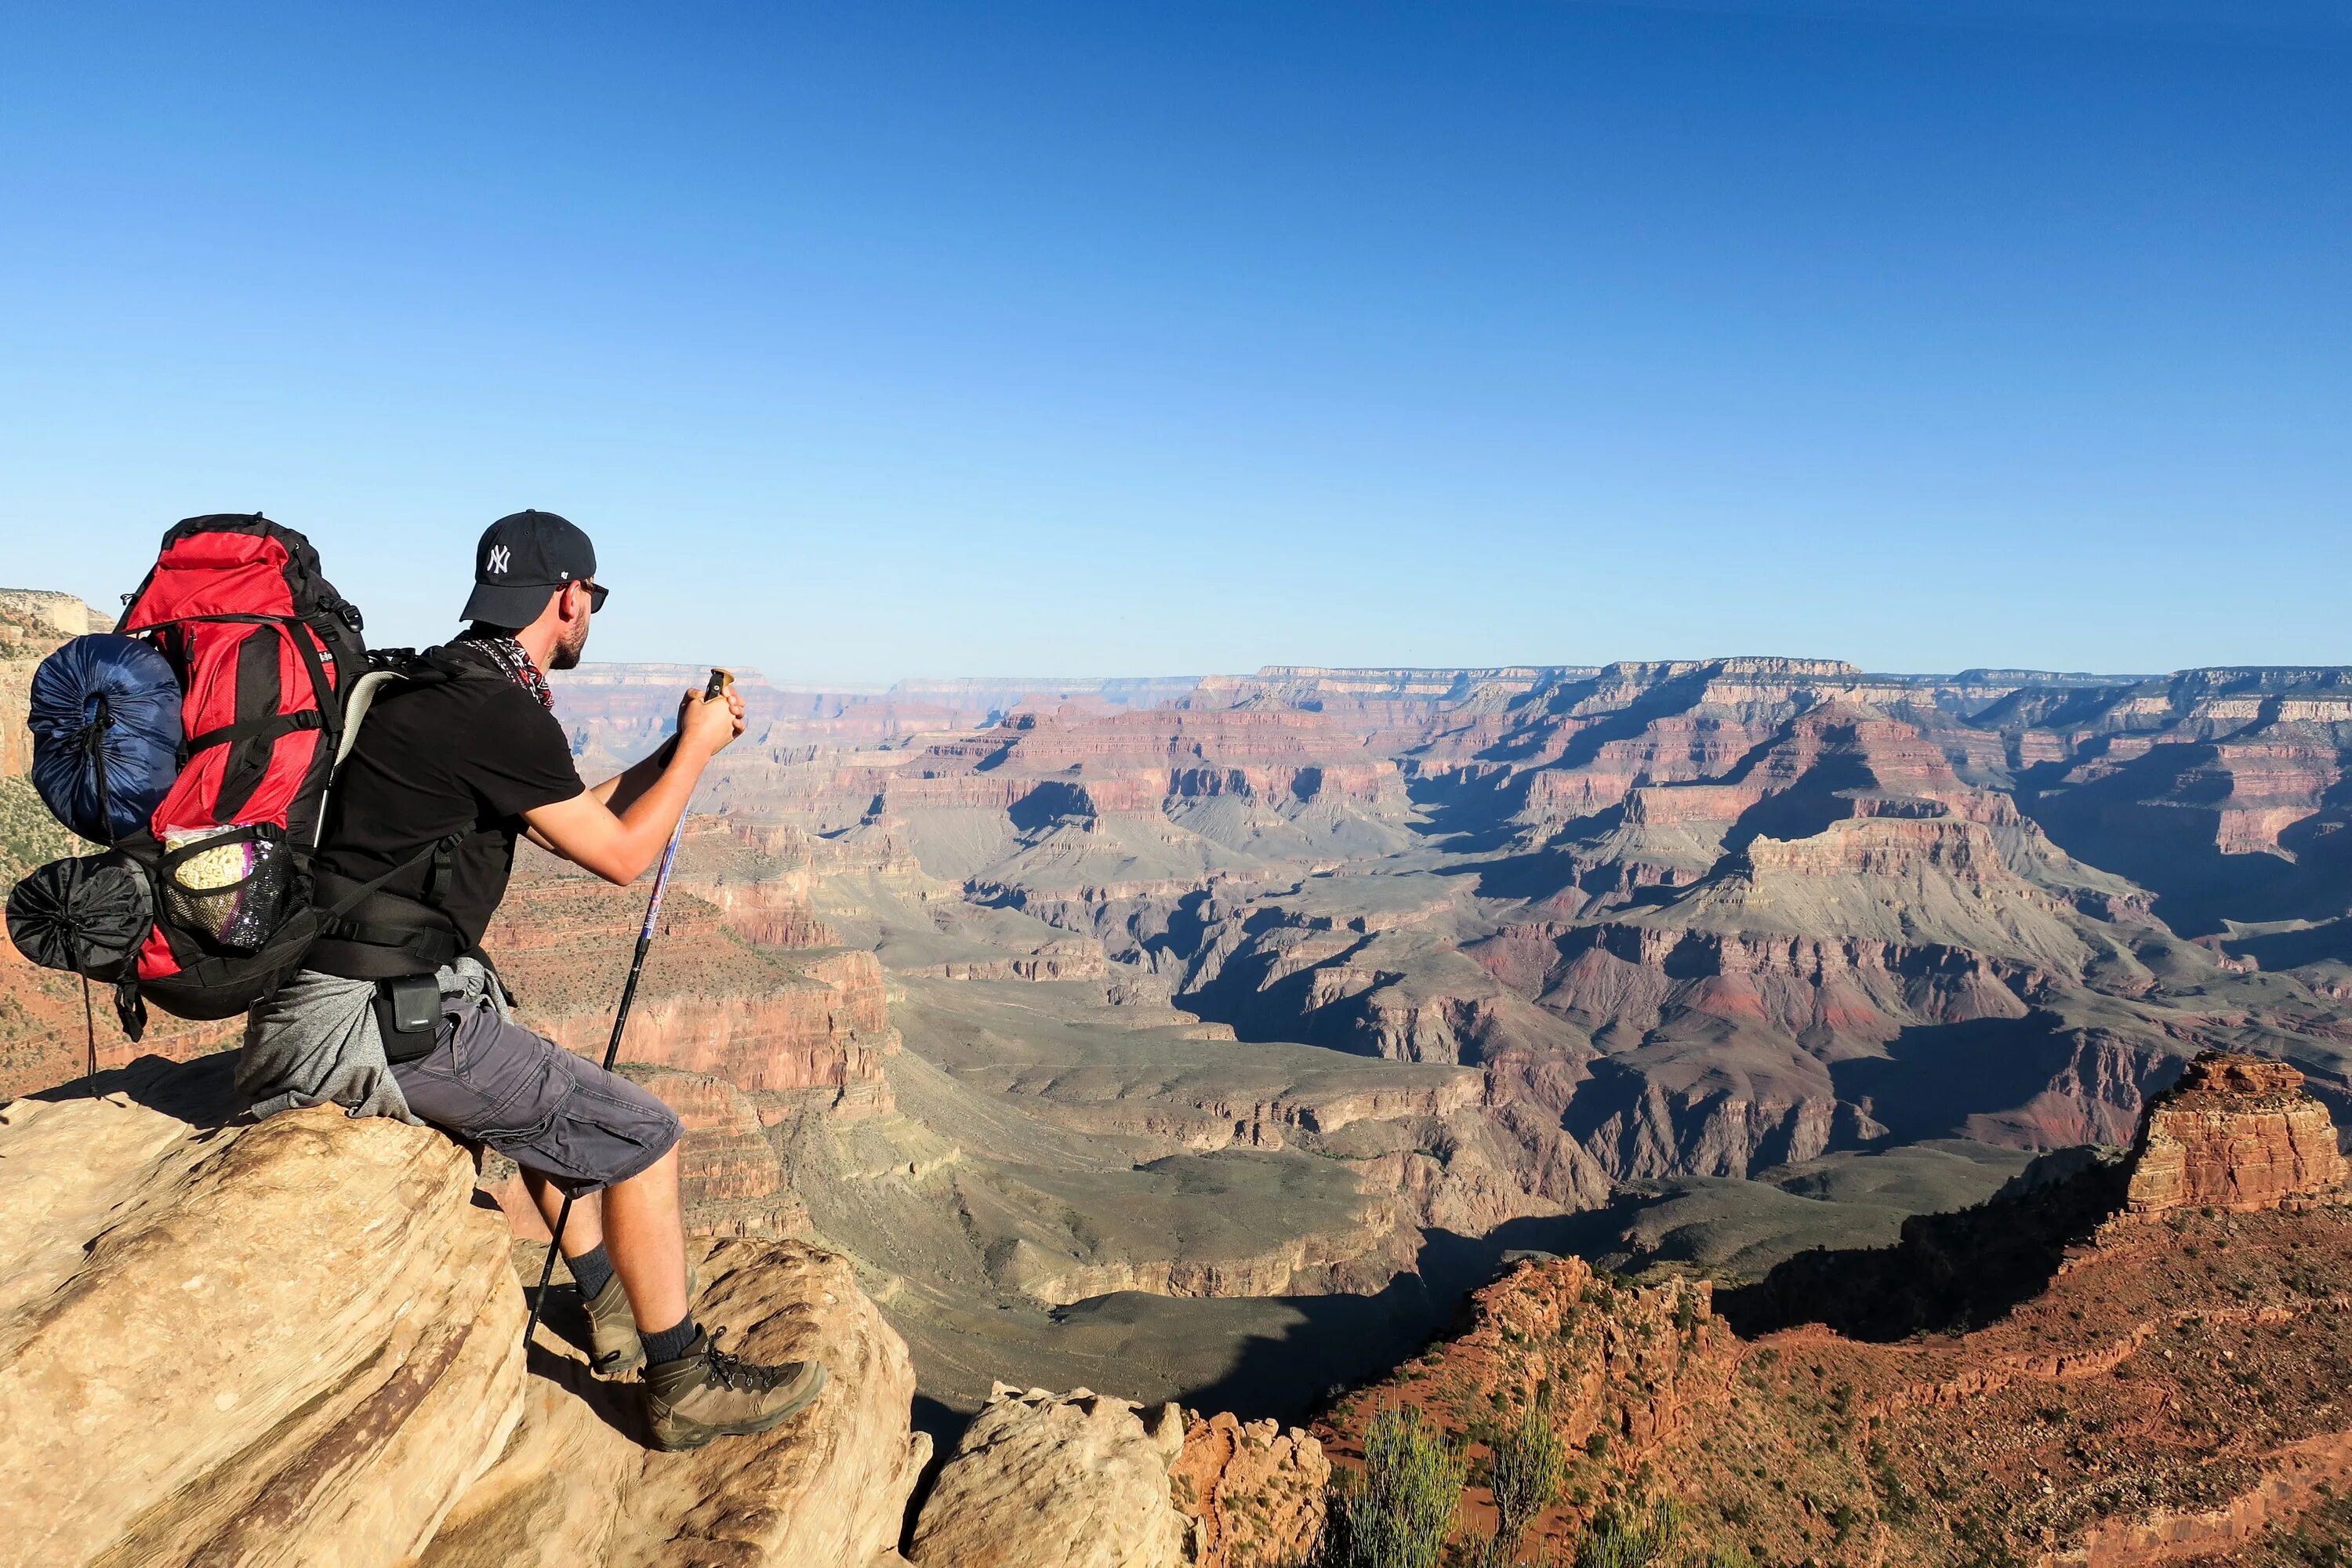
pixel 1399 1511
pixel 1527 1467
pixel 1633 1535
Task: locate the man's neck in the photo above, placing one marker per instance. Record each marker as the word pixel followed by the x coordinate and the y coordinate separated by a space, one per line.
pixel 539 641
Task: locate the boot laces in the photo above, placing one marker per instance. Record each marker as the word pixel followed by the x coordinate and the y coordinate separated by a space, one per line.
pixel 734 1372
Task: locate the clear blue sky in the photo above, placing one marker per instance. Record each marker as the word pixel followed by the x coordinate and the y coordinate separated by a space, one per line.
pixel 883 340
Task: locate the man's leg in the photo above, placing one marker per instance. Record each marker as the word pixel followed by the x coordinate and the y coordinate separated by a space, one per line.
pixel 645 1236
pixel 567 1120
pixel 584 1232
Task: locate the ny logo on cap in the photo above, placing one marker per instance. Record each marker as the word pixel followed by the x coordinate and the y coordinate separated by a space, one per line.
pixel 498 559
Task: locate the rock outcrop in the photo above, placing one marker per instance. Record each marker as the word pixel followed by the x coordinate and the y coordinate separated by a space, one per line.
pixel 289 1343
pixel 577 1485
pixel 2237 1132
pixel 1253 1492
pixel 300 1342
pixel 1075 1480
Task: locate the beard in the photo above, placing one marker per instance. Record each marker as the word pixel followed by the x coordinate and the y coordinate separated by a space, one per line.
pixel 567 652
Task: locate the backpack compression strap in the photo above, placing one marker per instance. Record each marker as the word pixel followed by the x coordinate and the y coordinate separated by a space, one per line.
pixel 421 940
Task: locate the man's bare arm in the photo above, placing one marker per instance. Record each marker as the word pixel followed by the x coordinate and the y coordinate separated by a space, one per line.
pixel 618 829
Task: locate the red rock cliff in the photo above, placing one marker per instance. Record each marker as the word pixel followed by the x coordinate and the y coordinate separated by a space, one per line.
pixel 2237 1132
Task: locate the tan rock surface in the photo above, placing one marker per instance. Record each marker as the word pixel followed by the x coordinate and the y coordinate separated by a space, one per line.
pixel 1047 1481
pixel 829 1487
pixel 1252 1492
pixel 2236 1132
pixel 294 1343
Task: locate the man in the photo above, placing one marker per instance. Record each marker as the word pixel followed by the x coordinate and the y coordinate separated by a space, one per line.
pixel 397 1011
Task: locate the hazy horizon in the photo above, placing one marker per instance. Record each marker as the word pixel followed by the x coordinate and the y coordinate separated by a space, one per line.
pixel 925 338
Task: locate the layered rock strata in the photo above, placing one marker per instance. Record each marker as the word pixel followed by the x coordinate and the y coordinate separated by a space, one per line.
pixel 2236 1132
pixel 730 1180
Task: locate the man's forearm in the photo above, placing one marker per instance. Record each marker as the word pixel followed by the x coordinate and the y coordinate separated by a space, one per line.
pixel 621 790
pixel 655 804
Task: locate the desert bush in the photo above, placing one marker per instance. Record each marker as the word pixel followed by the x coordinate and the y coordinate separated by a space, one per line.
pixel 1627 1535
pixel 1490 1553
pixel 1399 1511
pixel 1529 1465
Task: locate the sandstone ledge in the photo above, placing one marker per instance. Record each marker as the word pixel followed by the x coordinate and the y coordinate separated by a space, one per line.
pixel 294 1343
pixel 300 1342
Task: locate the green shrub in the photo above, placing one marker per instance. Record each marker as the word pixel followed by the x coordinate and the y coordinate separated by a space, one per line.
pixel 1399 1511
pixel 1490 1553
pixel 1529 1465
pixel 1631 1536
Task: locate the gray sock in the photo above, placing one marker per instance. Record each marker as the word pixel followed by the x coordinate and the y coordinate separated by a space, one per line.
pixel 593 1270
pixel 670 1343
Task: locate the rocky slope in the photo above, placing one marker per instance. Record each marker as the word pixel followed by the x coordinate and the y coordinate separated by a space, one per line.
pixel 2066 1376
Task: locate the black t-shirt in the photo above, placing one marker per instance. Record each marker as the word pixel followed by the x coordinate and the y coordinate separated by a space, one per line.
pixel 466 755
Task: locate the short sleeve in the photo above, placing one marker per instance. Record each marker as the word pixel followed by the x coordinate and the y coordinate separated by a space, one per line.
pixel 522 762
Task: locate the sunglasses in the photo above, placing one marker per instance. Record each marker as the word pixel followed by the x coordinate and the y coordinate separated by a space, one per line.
pixel 597 595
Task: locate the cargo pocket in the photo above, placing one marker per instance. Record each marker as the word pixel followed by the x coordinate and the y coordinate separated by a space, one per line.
pixel 531 1134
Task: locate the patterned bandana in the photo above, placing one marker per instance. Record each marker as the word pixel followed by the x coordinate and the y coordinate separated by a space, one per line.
pixel 516 666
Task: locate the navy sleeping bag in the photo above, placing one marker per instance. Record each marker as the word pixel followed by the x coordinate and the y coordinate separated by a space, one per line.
pixel 110 696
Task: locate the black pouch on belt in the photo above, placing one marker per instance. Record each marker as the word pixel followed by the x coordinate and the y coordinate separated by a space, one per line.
pixel 408 1014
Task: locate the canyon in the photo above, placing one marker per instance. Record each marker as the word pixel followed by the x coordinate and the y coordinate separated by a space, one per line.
pixel 1207 1041
pixel 1698 962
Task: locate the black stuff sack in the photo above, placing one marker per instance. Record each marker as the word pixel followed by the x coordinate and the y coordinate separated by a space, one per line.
pixel 88 915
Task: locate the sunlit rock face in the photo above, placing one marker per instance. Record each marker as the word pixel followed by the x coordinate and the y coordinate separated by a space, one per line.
pixel 2236 1132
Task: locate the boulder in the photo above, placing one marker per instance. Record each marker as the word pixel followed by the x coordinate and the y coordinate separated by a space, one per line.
pixel 1050 1480
pixel 1252 1493
pixel 295 1343
pixel 578 1485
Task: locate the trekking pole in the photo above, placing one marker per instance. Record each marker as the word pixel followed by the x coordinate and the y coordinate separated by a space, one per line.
pixel 720 680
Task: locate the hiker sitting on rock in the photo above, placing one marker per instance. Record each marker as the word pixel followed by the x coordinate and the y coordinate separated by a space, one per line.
pixel 396 1012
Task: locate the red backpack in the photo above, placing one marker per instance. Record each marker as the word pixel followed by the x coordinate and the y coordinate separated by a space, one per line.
pixel 266 656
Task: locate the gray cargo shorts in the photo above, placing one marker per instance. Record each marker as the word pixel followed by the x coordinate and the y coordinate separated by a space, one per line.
pixel 492 1081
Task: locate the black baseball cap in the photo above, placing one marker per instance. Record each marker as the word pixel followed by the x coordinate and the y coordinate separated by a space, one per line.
pixel 522 559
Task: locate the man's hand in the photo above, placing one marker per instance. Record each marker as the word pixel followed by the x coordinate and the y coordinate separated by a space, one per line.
pixel 619 845
pixel 710 723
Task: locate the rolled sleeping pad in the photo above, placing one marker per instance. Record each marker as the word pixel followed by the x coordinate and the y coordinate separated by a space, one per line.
pixel 132 686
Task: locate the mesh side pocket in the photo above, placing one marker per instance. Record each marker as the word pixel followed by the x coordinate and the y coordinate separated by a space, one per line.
pixel 228 885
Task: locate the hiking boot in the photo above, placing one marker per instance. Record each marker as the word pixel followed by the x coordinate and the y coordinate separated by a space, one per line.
pixel 707 1393
pixel 614 1348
